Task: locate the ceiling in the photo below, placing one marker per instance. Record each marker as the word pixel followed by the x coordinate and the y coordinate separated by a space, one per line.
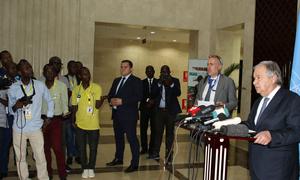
pixel 119 31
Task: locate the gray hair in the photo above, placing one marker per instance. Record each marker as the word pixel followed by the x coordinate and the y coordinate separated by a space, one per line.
pixel 272 69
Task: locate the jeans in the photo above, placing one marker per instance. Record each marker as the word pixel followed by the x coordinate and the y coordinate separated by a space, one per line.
pixel 72 147
pixel 90 137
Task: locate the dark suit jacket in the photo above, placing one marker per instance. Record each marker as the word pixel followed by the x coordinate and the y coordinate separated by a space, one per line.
pixel 171 97
pixel 131 94
pixel 279 159
pixel 146 93
pixel 225 92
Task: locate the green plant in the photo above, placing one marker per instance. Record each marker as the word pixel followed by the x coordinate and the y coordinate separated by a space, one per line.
pixel 231 68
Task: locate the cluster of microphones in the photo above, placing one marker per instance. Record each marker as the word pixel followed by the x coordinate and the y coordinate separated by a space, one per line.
pixel 215 119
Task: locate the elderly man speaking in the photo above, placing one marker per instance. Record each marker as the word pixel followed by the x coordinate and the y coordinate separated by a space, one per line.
pixel 276 119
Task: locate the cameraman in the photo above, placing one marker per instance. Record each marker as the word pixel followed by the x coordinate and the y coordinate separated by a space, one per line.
pixel 167 107
pixel 6 120
pixel 25 101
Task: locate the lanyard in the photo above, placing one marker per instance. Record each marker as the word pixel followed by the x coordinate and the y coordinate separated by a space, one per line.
pixel 90 95
pixel 31 89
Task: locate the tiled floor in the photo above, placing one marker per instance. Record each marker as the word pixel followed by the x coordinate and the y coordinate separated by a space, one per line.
pixel 151 169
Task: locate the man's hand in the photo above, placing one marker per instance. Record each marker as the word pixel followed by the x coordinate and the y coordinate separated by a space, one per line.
pixel 263 138
pixel 19 104
pixel 46 123
pixel 116 101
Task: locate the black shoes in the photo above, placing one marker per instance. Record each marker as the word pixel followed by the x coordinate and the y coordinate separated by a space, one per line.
pixel 131 169
pixel 69 160
pixel 153 156
pixel 77 159
pixel 114 162
pixel 68 169
pixel 143 151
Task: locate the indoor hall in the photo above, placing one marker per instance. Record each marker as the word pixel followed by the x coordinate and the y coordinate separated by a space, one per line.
pixel 101 33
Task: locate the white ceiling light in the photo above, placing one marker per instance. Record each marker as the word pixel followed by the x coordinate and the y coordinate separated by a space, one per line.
pixel 174 40
pixel 152 32
pixel 138 38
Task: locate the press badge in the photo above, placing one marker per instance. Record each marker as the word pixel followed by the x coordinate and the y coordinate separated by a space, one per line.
pixel 78 98
pixel 90 109
pixel 28 113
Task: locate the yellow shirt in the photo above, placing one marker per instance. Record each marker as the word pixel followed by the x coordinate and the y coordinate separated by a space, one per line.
pixel 87 116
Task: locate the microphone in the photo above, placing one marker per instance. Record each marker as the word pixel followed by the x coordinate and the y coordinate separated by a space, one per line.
pixel 181 116
pixel 231 121
pixel 206 110
pixel 218 111
pixel 240 130
pixel 220 117
pixel 194 110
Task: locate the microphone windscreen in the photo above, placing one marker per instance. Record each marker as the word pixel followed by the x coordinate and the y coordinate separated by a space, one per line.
pixel 194 110
pixel 218 111
pixel 222 116
pixel 207 110
pixel 240 130
pixel 235 120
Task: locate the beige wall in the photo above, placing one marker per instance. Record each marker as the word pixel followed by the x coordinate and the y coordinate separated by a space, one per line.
pixel 39 29
pixel 109 53
pixel 228 13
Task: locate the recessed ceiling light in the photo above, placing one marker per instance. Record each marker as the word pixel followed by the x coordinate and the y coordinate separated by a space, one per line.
pixel 174 40
pixel 138 38
pixel 152 32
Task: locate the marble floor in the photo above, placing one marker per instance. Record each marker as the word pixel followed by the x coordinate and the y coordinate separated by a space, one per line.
pixel 153 169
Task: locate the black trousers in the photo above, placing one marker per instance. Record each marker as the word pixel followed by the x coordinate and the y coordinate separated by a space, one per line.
pixel 164 120
pixel 128 127
pixel 146 116
pixel 90 137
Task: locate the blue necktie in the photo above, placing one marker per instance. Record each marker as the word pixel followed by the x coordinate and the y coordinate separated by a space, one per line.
pixel 207 96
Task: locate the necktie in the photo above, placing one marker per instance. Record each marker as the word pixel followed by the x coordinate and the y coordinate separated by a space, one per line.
pixel 121 85
pixel 207 96
pixel 263 107
pixel 150 83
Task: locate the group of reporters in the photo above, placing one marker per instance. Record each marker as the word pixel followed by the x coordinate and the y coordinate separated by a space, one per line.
pixel 45 112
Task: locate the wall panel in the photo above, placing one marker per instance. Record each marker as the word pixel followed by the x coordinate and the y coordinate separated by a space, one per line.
pixel 38 29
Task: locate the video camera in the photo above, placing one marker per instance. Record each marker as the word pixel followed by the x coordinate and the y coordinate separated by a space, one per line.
pixel 4 83
pixel 27 99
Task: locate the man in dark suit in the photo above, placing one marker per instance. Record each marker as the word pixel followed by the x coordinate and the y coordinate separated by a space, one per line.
pixel 124 95
pixel 216 87
pixel 167 107
pixel 147 110
pixel 276 119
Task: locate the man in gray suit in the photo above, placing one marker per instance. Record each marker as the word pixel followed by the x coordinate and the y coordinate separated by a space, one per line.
pixel 216 87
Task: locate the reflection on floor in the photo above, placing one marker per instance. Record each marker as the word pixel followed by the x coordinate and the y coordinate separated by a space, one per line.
pixel 152 169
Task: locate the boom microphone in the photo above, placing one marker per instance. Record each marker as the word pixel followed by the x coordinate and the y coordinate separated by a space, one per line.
pixel 240 130
pixel 235 120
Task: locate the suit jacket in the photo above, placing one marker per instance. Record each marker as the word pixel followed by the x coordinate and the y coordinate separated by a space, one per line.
pixel 171 94
pixel 131 94
pixel 146 93
pixel 225 92
pixel 279 159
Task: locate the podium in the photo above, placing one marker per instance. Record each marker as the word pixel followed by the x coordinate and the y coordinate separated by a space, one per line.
pixel 216 148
